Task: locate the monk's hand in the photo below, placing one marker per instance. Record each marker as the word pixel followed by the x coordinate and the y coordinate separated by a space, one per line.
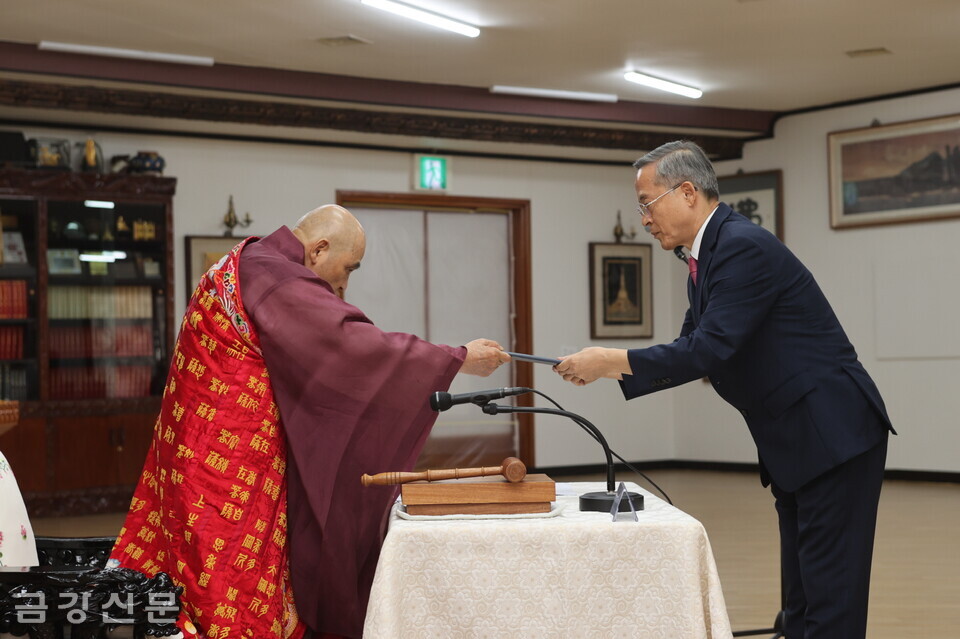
pixel 592 363
pixel 483 357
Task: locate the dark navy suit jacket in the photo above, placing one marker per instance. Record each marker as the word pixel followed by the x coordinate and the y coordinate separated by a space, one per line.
pixel 761 329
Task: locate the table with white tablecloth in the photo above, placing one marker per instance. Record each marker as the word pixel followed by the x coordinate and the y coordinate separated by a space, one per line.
pixel 572 574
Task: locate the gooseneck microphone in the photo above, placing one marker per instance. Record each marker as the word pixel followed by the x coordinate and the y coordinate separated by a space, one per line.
pixel 597 501
pixel 441 401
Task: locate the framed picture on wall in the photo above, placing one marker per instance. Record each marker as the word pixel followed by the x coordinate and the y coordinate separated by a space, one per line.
pixel 63 262
pixel 757 197
pixel 905 172
pixel 621 291
pixel 202 252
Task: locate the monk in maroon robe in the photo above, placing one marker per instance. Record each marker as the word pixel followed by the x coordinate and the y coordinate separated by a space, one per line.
pixel 280 396
pixel 352 399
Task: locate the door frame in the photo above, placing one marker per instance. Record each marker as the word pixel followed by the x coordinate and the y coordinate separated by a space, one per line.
pixel 519 211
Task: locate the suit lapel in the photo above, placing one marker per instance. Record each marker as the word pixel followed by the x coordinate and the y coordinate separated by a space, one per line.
pixel 698 295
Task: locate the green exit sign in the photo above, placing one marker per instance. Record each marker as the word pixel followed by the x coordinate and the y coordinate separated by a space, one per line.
pixel 431 173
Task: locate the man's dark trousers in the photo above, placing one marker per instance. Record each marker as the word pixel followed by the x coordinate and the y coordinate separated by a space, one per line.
pixel 827 526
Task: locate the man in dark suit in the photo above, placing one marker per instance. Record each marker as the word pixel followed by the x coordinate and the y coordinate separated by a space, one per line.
pixel 761 329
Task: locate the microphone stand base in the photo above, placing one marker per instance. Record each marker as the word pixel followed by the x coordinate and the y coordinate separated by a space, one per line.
pixel 602 502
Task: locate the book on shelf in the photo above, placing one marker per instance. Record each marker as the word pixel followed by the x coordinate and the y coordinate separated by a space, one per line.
pixel 13 299
pixel 81 342
pixel 14 251
pixel 13 382
pixel 98 302
pixel 98 382
pixel 11 342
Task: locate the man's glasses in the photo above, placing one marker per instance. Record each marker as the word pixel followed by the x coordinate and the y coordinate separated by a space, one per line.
pixel 644 209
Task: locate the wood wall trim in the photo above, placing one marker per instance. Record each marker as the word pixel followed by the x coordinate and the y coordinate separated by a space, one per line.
pixel 72 184
pixel 97 99
pixel 26 58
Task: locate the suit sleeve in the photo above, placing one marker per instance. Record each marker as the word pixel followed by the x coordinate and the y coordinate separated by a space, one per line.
pixel 740 292
pixel 687 326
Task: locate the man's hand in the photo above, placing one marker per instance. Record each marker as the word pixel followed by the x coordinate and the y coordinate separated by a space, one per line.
pixel 483 357
pixel 592 363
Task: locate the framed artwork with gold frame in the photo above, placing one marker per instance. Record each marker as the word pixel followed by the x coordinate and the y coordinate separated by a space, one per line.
pixel 621 291
pixel 895 173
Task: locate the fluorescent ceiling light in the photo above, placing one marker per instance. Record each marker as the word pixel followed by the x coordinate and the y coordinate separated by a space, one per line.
pixel 153 56
pixel 103 256
pixel 94 257
pixel 98 204
pixel 427 17
pixel 663 85
pixel 555 93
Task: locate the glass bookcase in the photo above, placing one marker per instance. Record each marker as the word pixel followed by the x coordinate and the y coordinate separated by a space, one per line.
pixel 19 365
pixel 106 299
pixel 86 303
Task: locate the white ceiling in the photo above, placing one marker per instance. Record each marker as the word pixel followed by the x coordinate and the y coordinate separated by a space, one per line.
pixel 777 55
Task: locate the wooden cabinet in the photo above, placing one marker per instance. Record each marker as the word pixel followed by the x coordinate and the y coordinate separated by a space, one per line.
pixel 86 329
pixel 101 450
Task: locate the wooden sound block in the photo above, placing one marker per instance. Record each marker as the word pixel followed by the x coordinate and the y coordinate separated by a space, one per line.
pixel 479 509
pixel 535 488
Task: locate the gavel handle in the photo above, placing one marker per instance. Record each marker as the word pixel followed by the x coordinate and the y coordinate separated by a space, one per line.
pixel 512 469
pixel 391 478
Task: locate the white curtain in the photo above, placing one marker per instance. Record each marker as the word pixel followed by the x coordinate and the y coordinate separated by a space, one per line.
pixel 445 277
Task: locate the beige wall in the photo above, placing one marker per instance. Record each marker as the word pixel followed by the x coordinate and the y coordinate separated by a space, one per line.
pixel 576 204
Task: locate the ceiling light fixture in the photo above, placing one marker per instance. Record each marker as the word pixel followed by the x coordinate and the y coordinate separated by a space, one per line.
pixel 98 204
pixel 427 17
pixel 555 93
pixel 135 54
pixel 103 256
pixel 663 85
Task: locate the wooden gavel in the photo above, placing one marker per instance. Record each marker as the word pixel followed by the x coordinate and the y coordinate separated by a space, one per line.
pixel 512 469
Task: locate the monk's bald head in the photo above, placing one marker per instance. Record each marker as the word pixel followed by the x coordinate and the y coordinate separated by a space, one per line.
pixel 335 223
pixel 333 244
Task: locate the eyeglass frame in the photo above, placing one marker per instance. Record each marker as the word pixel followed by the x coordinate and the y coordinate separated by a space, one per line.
pixel 643 210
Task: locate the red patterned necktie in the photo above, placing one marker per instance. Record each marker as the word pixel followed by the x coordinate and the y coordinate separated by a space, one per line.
pixel 692 263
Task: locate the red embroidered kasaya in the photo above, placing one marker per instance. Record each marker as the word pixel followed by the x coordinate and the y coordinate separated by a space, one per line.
pixel 210 509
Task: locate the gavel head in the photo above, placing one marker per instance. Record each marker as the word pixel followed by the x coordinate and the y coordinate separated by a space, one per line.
pixel 513 469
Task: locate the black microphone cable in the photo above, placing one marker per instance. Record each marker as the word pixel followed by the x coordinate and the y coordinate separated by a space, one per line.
pixel 612 452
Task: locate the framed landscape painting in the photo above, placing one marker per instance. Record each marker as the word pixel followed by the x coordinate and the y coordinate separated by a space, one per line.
pixel 906 172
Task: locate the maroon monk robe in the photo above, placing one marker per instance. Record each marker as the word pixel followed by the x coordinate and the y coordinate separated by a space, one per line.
pixel 353 399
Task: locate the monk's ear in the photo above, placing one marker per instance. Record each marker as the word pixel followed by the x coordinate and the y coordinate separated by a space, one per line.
pixel 317 249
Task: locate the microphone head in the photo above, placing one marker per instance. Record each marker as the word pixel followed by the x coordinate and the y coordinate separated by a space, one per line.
pixel 440 401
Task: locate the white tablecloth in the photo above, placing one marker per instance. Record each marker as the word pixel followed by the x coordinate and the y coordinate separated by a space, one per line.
pixel 575 575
